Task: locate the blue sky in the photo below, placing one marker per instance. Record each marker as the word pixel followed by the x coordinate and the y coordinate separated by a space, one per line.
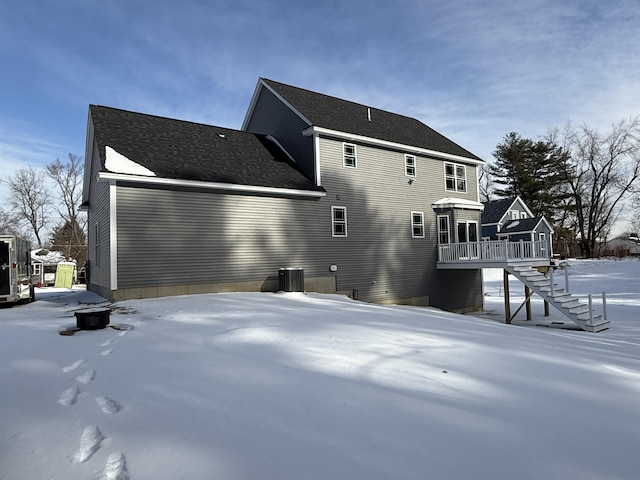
pixel 473 70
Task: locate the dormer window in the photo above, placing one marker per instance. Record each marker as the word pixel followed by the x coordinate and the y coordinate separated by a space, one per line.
pixel 455 177
pixel 349 155
pixel 410 165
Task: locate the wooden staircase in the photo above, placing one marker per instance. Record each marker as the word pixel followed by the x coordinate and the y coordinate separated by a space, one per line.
pixel 573 308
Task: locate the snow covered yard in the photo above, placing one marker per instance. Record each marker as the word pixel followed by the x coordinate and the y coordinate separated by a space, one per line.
pixel 294 386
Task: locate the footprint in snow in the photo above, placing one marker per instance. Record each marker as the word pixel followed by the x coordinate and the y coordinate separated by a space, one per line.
pixel 69 396
pixel 107 343
pixel 116 468
pixel 89 443
pixel 86 377
pixel 106 352
pixel 108 405
pixel 73 366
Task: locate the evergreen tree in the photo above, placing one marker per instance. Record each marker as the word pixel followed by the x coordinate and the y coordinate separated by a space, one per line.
pixel 69 237
pixel 531 170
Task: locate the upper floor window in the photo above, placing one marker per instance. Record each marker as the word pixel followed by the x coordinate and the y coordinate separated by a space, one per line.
pixel 349 155
pixel 417 224
pixel 455 177
pixel 410 165
pixel 339 221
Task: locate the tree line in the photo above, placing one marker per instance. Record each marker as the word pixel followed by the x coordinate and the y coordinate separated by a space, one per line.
pixel 46 201
pixel 581 180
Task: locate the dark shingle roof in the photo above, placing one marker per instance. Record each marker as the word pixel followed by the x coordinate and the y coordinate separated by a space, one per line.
pixel 182 150
pixel 495 209
pixel 520 225
pixel 349 117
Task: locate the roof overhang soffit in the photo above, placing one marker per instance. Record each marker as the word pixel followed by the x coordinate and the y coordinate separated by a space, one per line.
pixel 227 187
pixel 458 204
pixel 313 130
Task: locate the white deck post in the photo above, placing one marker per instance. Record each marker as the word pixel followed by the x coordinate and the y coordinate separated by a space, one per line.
pixel 551 278
pixel 590 310
pixel 604 305
pixel 566 279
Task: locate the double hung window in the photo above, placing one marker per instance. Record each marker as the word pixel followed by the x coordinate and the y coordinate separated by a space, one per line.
pixel 339 221
pixel 417 224
pixel 455 177
pixel 410 165
pixel 349 155
pixel 443 229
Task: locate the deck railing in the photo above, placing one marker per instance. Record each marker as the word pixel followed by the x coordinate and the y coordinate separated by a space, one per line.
pixel 493 251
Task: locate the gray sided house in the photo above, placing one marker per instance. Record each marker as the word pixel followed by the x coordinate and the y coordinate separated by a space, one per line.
pixel 510 219
pixel 358 197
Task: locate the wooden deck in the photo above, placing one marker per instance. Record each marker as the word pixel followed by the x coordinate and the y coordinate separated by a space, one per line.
pixel 492 254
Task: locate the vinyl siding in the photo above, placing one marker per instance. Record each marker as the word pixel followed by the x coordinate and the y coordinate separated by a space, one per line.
pixel 98 213
pixel 173 237
pixel 272 117
pixel 379 258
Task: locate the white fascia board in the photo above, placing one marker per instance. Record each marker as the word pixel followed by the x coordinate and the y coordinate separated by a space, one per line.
pixel 316 150
pixel 105 176
pixel 524 205
pixel 313 130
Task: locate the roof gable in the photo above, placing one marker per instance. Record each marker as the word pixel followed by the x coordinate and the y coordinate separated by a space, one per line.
pixel 340 115
pixel 496 209
pixel 181 150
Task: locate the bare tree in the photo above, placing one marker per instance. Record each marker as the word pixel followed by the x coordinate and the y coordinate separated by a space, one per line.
pixel 68 180
pixel 486 183
pixel 30 198
pixel 601 174
pixel 10 224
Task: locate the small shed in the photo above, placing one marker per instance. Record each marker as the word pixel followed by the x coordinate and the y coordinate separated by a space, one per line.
pixel 44 263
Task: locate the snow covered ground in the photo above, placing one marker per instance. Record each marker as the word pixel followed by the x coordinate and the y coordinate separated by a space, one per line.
pixel 295 386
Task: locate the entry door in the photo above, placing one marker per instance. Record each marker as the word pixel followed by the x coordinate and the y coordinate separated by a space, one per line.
pixel 5 269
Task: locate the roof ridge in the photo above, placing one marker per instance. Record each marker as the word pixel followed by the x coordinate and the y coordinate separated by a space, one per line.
pixel 162 117
pixel 345 100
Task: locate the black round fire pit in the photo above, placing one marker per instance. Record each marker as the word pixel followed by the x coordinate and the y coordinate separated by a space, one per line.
pixel 92 318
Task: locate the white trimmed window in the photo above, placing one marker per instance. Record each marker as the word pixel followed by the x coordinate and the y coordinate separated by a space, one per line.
pixel 349 155
pixel 443 229
pixel 417 224
pixel 339 221
pixel 455 177
pixel 410 165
